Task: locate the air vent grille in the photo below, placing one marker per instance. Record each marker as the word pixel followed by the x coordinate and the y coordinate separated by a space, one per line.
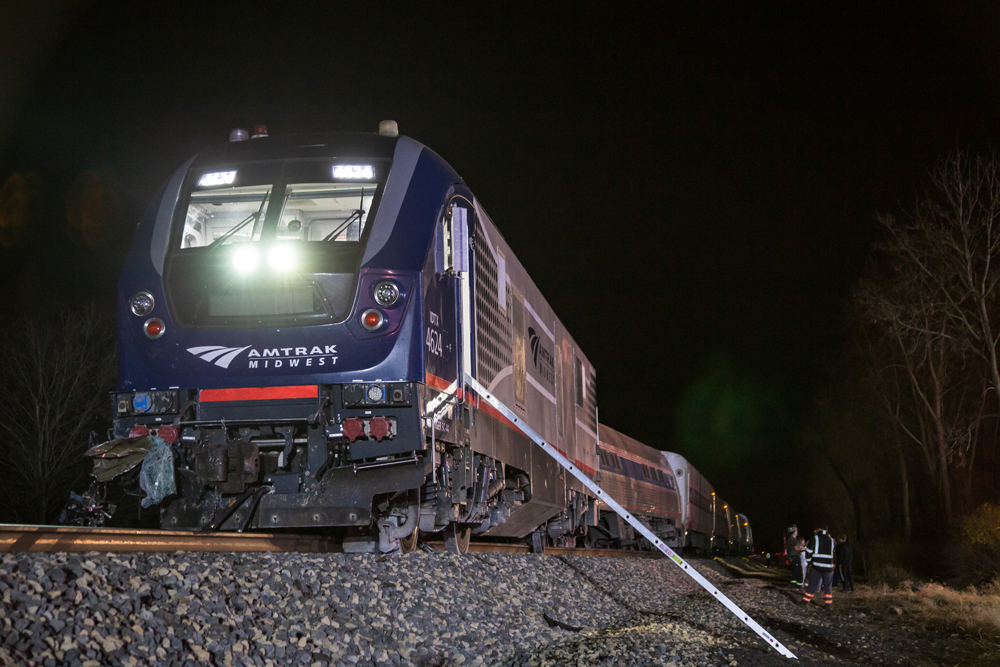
pixel 493 334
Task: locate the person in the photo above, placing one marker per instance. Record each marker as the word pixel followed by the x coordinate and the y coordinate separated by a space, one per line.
pixel 803 561
pixel 820 553
pixel 792 553
pixel 845 557
pixel 836 569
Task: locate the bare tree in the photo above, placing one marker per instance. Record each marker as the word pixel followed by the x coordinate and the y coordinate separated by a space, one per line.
pixel 950 243
pixel 924 380
pixel 880 379
pixel 53 382
pixel 933 307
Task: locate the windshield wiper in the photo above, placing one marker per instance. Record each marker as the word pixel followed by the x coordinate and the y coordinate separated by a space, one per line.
pixel 243 223
pixel 355 215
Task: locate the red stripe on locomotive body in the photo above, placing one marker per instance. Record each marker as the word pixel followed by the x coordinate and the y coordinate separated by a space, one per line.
pixel 258 393
pixel 442 385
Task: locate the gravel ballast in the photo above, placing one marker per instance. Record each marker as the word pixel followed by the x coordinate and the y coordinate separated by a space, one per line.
pixel 267 609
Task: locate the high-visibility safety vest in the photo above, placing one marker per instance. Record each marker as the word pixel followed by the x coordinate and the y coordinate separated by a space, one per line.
pixel 820 551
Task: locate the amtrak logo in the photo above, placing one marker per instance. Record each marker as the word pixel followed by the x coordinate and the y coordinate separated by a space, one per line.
pixel 535 344
pixel 222 356
pixel 275 357
pixel 546 368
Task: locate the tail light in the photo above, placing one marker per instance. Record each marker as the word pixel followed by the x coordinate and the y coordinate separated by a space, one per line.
pixel 154 328
pixel 372 319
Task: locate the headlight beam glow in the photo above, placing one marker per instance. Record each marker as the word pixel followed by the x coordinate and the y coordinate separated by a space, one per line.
pixel 281 258
pixel 245 259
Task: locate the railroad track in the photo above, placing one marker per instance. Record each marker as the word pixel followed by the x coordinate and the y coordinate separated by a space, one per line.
pixel 501 548
pixel 55 539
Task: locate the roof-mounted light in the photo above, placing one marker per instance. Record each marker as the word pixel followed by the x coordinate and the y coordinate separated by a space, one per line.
pixel 239 134
pixel 259 131
pixel 356 172
pixel 388 128
pixel 217 178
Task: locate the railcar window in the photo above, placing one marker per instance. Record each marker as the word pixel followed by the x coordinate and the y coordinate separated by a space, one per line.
pixel 325 211
pixel 214 213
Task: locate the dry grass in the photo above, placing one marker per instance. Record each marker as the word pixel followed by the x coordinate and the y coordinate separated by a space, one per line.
pixel 972 612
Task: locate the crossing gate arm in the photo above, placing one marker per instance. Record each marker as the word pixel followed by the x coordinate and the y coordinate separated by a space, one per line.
pixel 601 495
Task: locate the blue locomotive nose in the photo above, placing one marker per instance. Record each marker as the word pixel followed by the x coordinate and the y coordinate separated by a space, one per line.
pixel 285 275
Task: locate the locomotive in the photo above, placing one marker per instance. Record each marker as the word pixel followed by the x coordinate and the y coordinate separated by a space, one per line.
pixel 296 317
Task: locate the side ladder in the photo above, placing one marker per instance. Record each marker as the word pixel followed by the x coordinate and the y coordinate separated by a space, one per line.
pixel 483 394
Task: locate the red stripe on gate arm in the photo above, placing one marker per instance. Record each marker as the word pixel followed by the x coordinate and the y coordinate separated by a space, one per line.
pixel 258 393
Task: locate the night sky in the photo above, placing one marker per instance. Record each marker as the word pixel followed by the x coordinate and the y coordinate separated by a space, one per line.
pixel 694 190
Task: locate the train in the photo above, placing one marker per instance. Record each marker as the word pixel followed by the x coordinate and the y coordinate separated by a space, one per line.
pixel 672 498
pixel 296 317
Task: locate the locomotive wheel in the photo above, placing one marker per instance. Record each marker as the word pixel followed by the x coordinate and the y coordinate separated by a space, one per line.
pixel 408 544
pixel 456 538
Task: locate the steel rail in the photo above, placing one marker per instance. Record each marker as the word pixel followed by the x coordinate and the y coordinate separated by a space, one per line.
pixel 506 548
pixel 53 539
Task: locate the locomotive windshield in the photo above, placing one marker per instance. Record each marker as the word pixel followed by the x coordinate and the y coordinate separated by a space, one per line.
pixel 271 242
pixel 336 212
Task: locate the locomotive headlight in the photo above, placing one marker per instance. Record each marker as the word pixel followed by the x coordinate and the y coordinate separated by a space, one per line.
pixel 281 257
pixel 371 319
pixel 386 293
pixel 141 303
pixel 245 259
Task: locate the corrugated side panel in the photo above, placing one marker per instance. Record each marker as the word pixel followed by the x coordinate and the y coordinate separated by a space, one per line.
pixel 652 498
pixel 699 502
pixel 493 326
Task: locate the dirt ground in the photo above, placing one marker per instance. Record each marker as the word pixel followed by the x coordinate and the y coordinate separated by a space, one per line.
pixel 915 625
